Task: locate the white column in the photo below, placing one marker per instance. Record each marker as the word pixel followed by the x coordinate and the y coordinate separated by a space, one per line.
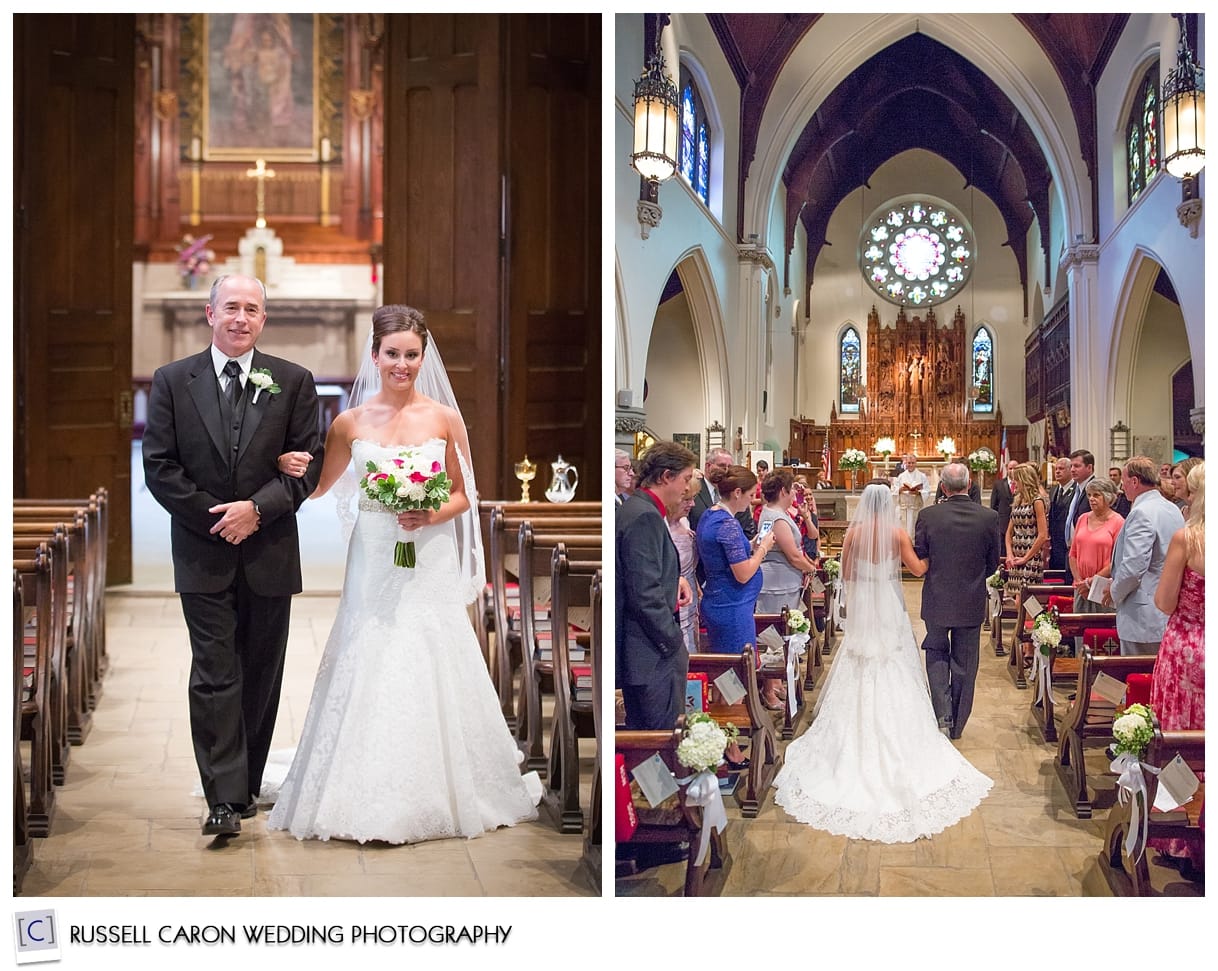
pixel 1090 391
pixel 749 340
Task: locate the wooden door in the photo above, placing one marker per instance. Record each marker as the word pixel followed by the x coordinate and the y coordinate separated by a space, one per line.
pixel 492 226
pixel 74 105
pixel 442 177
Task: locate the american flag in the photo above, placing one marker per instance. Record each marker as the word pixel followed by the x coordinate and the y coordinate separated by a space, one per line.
pixel 826 469
pixel 1003 456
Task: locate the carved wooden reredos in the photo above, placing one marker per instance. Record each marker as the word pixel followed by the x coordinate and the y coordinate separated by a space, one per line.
pixel 917 392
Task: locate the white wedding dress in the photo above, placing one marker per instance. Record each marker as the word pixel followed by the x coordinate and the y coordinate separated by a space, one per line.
pixel 873 764
pixel 404 739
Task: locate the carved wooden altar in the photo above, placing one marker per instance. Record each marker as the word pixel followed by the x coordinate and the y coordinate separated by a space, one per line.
pixel 916 392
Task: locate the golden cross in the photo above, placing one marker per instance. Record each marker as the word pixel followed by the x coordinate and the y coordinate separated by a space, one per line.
pixel 261 173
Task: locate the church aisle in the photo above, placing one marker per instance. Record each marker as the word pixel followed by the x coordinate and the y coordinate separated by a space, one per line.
pixel 1023 840
pixel 126 823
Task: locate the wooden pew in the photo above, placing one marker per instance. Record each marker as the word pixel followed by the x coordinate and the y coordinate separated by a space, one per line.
pixel 1090 720
pixel 1016 625
pixel 535 563
pixel 593 853
pixel 96 512
pixel 485 625
pixel 674 820
pixel 23 840
pixel 37 706
pixel 1126 877
pixel 779 623
pixel 81 633
pixel 502 546
pixel 571 587
pixel 1061 669
pixel 55 614
pixel 823 615
pixel 751 719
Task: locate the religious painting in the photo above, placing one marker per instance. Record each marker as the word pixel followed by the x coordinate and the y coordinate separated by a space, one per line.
pixel 260 87
pixel 692 441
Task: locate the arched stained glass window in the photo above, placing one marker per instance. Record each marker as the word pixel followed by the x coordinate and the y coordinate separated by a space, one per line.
pixel 694 163
pixel 1142 134
pixel 850 371
pixel 983 371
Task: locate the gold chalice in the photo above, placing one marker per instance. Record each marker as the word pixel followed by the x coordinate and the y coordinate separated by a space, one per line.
pixel 525 471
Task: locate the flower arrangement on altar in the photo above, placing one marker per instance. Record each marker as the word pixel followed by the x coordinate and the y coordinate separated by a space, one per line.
pixel 1046 635
pixel 884 446
pixel 1133 729
pixel 983 460
pixel 194 258
pixel 946 446
pixel 402 484
pixel 852 460
pixel 703 745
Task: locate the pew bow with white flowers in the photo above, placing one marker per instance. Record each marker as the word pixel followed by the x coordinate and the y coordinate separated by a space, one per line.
pixel 800 632
pixel 704 791
pixel 702 750
pixel 1131 788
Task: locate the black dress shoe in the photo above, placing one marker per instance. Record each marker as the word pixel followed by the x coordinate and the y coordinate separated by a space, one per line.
pixel 251 809
pixel 223 820
pixel 738 766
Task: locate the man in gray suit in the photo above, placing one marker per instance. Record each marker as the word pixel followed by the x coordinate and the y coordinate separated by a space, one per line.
pixel 651 658
pixel 1137 558
pixel 960 539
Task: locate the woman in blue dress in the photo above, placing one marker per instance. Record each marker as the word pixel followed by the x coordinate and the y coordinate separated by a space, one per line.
pixel 731 565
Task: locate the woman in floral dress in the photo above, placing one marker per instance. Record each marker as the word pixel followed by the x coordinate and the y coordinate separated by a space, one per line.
pixel 1177 692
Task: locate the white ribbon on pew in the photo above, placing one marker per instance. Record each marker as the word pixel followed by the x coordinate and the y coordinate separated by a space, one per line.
pixel 797 648
pixel 995 600
pixel 1130 783
pixel 704 791
pixel 1042 672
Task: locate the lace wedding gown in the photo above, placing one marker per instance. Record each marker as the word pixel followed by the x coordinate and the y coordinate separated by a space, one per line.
pixel 873 764
pixel 404 740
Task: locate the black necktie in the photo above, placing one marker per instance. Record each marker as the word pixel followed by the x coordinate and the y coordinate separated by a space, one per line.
pixel 233 370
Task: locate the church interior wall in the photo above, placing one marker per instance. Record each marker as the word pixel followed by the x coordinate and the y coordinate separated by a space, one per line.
pixel 1161 350
pixel 839 292
pixel 674 373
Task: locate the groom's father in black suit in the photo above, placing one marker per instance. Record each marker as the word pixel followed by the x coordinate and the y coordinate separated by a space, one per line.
pixel 960 539
pixel 217 423
pixel 651 658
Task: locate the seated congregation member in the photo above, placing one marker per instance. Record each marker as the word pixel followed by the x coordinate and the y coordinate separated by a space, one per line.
pixel 683 539
pixel 1094 539
pixel 651 658
pixel 731 565
pixel 1177 692
pixel 784 567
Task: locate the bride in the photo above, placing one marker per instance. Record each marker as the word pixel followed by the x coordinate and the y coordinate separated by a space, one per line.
pixel 404 740
pixel 874 765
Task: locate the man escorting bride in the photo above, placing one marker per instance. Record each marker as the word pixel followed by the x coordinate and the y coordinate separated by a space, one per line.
pixel 404 740
pixel 874 764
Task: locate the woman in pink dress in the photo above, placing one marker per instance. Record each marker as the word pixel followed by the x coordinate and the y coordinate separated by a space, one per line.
pixel 1094 537
pixel 1177 688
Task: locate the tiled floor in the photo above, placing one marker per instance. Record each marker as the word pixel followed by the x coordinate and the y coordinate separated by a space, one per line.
pixel 1023 840
pixel 127 825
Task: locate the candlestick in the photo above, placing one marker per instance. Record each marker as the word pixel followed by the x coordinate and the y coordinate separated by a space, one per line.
pixel 325 149
pixel 196 149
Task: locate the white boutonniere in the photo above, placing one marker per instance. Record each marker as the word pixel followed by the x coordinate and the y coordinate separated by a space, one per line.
pixel 263 381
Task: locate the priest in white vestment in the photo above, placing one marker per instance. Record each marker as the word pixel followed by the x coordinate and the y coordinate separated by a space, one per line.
pixel 910 489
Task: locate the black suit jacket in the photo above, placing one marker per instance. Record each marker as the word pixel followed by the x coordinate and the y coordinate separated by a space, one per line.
pixel 702 502
pixel 1059 505
pixel 648 633
pixel 974 492
pixel 186 467
pixel 1000 501
pixel 960 538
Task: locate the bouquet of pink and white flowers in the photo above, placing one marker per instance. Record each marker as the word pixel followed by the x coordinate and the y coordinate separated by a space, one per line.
pixel 406 483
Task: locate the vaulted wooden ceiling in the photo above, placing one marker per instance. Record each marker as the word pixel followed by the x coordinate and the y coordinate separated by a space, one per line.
pixel 916 93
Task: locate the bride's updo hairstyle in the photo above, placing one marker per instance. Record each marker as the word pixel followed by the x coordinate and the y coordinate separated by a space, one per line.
pixel 394 318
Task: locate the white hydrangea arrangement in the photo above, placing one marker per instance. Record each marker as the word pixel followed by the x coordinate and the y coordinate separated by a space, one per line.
pixel 982 460
pixel 884 446
pixel 1046 635
pixel 1133 730
pixel 797 622
pixel 833 568
pixel 852 459
pixel 704 743
pixel 995 580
